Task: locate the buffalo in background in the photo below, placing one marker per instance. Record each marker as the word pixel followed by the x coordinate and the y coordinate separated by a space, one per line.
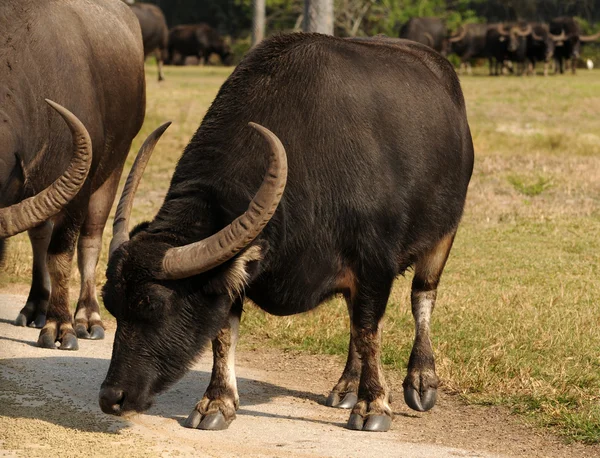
pixel 155 33
pixel 430 31
pixel 568 41
pixel 59 184
pixel 469 43
pixel 198 40
pixel 507 43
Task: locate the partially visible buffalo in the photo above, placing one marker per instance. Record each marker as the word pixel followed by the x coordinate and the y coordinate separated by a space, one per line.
pixel 58 184
pixel 155 33
pixel 199 40
pixel 568 41
pixel 430 31
pixel 540 47
pixel 507 43
pixel 366 181
pixel 469 43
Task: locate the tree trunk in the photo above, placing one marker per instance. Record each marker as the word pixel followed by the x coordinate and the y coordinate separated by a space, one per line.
pixel 318 16
pixel 258 21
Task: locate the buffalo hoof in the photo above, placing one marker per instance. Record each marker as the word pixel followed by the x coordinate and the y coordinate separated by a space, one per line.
pixel 96 332
pixel 69 342
pixel 39 322
pixel 21 320
pixel 420 403
pixel 349 400
pixel 211 422
pixel 374 423
pixel 46 341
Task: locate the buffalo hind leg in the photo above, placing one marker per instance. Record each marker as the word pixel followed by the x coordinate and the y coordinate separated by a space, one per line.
pixel 88 324
pixel 216 410
pixel 59 325
pixel 345 393
pixel 35 309
pixel 372 411
pixel 159 62
pixel 421 382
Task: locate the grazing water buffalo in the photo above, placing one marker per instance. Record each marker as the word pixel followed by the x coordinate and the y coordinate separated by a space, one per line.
pixel 430 31
pixel 198 40
pixel 155 33
pixel 88 56
pixel 568 39
pixel 369 181
pixel 469 43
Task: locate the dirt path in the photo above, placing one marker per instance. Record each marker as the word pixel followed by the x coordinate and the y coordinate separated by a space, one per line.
pixel 48 405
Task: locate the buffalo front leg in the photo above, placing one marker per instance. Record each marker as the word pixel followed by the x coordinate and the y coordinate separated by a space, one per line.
pixel 159 62
pixel 372 411
pixel 345 393
pixel 88 324
pixel 35 309
pixel 216 410
pixel 421 382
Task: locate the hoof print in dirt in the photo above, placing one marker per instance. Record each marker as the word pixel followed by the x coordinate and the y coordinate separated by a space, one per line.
pixel 347 402
pixel 418 402
pixel 211 422
pixel 374 423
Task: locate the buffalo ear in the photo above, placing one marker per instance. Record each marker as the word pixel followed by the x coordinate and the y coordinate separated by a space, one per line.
pixel 239 272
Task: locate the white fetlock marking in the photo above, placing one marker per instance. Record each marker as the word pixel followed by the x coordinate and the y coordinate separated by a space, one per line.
pixel 234 326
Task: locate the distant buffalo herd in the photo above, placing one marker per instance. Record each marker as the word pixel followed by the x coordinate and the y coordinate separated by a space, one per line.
pixel 503 44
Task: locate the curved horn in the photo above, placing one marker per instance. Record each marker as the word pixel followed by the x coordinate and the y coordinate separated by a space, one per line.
pixel 501 31
pixel 536 37
pixel 47 203
pixel 429 38
pixel 561 37
pixel 121 222
pixel 198 257
pixel 523 33
pixel 460 36
pixel 588 38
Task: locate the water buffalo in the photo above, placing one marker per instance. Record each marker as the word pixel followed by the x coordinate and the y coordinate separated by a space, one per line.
pixel 88 56
pixel 365 182
pixel 430 31
pixel 198 40
pixel 540 47
pixel 568 40
pixel 469 43
pixel 155 33
pixel 507 43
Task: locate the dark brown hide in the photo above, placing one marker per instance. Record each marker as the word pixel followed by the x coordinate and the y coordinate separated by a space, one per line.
pixel 155 33
pixel 86 55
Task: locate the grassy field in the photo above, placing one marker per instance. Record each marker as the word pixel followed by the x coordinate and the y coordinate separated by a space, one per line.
pixel 517 321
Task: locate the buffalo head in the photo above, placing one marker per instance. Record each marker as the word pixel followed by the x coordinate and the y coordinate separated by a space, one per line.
pixel 171 296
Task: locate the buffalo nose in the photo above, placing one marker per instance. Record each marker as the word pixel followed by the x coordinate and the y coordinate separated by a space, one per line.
pixel 111 400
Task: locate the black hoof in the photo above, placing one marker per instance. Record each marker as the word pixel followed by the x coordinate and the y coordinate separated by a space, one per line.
pixel 355 422
pixel 21 320
pixel 96 332
pixel 81 331
pixel 214 422
pixel 193 420
pixel 69 342
pixel 348 402
pixel 46 341
pixel 39 322
pixel 380 423
pixel 420 403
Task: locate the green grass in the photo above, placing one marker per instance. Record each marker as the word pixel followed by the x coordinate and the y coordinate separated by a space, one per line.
pixel 517 321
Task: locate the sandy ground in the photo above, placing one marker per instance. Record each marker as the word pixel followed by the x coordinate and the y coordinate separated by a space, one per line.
pixel 48 406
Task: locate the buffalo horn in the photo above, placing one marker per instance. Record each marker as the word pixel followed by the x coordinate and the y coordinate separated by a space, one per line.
pixel 460 36
pixel 47 203
pixel 536 37
pixel 561 37
pixel 121 222
pixel 588 38
pixel 198 257
pixel 501 31
pixel 523 33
